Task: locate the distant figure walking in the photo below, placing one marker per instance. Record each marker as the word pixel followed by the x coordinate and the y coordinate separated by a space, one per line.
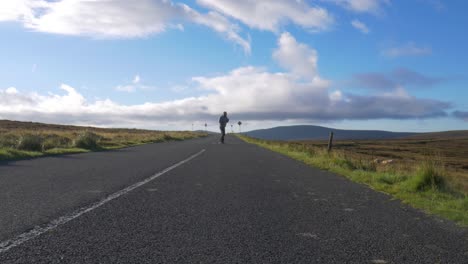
pixel 223 120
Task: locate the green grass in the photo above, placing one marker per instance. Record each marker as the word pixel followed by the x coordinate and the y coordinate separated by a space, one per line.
pixel 15 154
pixel 9 154
pixel 424 187
pixel 58 151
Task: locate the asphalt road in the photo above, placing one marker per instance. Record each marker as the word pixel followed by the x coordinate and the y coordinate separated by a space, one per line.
pixel 233 203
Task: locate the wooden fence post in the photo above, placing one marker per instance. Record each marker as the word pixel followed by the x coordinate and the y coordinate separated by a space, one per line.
pixel 330 142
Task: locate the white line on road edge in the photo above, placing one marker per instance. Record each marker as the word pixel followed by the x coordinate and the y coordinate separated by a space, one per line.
pixel 39 230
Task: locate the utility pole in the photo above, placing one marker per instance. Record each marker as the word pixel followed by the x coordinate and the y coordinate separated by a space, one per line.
pixel 206 125
pixel 232 128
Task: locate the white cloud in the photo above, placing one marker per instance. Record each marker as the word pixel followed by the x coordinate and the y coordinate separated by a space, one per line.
pixel 409 49
pixel 19 9
pixel 136 79
pixel 296 57
pixel 363 6
pixel 220 24
pixel 250 90
pixel 360 26
pixel 113 18
pixel 135 85
pixel 104 18
pixel 11 90
pixel 336 96
pixel 126 88
pixel 250 94
pixel 270 15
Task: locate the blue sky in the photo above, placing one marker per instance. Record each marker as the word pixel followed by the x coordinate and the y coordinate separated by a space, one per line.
pixel 355 64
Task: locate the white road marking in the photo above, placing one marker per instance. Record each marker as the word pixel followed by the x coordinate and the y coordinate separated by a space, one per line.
pixel 308 235
pixel 39 230
pixel 378 261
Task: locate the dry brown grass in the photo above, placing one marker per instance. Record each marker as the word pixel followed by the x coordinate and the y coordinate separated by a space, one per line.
pixel 59 138
pixel 409 153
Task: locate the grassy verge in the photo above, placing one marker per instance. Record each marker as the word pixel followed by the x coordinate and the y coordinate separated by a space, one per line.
pixel 425 185
pixel 29 140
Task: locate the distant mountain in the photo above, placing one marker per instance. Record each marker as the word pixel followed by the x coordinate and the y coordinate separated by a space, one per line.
pixel 322 133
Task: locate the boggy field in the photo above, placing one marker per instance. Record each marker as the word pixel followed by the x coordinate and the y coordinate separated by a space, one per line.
pixel 449 150
pixel 27 139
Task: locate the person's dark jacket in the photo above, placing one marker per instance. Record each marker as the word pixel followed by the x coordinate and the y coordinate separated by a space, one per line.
pixel 223 120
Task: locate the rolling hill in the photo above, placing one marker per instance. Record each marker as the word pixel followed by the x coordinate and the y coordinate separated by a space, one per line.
pixel 321 133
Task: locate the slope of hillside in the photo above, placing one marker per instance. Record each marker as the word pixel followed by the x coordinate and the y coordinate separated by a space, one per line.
pixel 321 133
pixel 456 134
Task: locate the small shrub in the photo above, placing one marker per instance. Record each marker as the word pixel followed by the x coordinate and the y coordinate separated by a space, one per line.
pixel 49 144
pixel 56 141
pixel 9 141
pixel 344 163
pixel 429 175
pixel 87 140
pixel 311 151
pixel 155 140
pixel 391 178
pixel 30 142
pixel 365 165
pixel 341 160
pixel 168 137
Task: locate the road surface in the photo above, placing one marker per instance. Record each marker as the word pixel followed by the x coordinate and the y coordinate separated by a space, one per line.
pixel 201 202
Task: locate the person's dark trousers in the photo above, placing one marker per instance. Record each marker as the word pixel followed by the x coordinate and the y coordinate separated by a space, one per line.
pixel 223 133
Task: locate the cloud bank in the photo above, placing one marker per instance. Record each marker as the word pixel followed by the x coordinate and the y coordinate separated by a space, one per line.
pixel 398 77
pixel 114 18
pixel 463 115
pixel 134 19
pixel 249 93
pixel 270 15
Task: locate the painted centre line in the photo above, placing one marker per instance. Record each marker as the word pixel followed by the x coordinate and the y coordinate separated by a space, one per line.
pixel 39 230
